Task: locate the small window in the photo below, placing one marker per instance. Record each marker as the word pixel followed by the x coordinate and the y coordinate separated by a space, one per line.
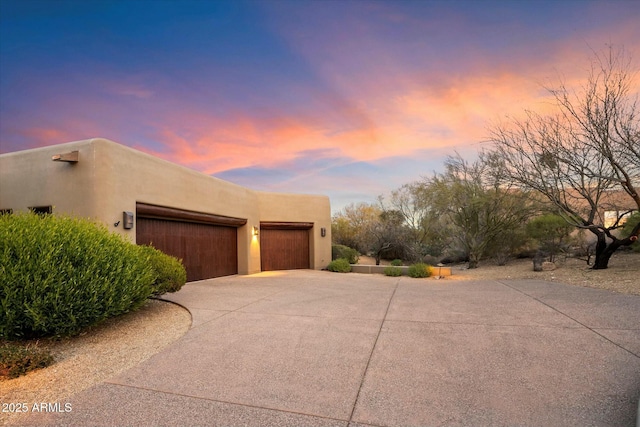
pixel 41 210
pixel 6 211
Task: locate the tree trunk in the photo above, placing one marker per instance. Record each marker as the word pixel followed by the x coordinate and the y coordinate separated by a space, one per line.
pixel 602 260
pixel 604 250
pixel 473 262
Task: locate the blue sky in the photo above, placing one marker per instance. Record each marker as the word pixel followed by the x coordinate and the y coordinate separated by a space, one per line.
pixel 345 98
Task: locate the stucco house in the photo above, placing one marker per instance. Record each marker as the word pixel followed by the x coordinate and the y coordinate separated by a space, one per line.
pixel 217 228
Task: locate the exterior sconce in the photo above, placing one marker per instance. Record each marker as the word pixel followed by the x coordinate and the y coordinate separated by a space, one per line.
pixel 71 157
pixel 255 231
pixel 127 220
pixel 323 232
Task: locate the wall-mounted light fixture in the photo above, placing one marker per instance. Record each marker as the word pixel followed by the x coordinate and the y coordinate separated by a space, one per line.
pixel 71 157
pixel 255 231
pixel 323 232
pixel 127 220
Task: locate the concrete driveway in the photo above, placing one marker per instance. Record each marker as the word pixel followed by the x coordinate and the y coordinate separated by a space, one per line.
pixel 308 348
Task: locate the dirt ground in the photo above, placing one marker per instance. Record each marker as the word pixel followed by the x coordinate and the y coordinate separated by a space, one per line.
pixel 623 274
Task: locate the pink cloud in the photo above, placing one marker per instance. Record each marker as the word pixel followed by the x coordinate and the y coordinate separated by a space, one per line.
pixel 453 112
pixel 374 102
pixel 42 137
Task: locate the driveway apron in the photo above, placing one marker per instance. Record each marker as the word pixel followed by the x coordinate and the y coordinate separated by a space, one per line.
pixel 310 348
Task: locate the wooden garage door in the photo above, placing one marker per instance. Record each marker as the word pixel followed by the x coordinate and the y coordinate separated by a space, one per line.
pixel 284 246
pixel 207 250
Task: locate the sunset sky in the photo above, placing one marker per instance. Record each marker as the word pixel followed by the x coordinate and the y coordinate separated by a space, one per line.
pixel 345 98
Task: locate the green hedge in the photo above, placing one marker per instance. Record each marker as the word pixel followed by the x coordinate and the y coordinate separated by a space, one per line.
pixel 169 271
pixel 419 270
pixel 393 271
pixel 59 275
pixel 339 265
pixel 341 251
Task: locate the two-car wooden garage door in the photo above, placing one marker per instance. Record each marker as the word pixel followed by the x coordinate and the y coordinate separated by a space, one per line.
pixel 207 244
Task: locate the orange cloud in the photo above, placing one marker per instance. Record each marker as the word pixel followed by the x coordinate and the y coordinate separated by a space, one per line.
pixel 390 122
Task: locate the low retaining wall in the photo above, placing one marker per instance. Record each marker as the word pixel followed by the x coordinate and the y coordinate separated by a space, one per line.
pixel 379 269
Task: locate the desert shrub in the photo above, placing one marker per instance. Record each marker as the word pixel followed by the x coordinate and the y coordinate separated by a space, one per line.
pixel 507 246
pixel 170 274
pixel 339 265
pixel 396 262
pixel 584 247
pixel 419 270
pixel 429 259
pixel 632 221
pixel 16 359
pixel 454 256
pixel 552 232
pixel 341 251
pixel 392 271
pixel 59 275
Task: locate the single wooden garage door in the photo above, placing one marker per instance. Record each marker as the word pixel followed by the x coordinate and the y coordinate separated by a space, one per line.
pixel 207 250
pixel 284 246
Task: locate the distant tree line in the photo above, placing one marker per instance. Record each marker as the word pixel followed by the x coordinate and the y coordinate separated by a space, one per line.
pixel 540 179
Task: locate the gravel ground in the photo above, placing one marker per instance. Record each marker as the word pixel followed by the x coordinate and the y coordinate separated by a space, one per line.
pixel 101 352
pixel 124 342
pixel 621 276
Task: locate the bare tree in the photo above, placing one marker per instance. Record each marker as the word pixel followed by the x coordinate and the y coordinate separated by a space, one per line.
pixel 386 235
pixel 426 230
pixel 348 226
pixel 370 229
pixel 578 157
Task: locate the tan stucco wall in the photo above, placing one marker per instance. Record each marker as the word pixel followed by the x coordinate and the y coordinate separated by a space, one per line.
pixel 110 178
pixel 29 178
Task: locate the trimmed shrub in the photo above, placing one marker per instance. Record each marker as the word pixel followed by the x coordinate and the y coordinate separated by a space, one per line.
pixel 419 270
pixel 59 275
pixel 339 265
pixel 396 262
pixel 393 271
pixel 169 271
pixel 16 359
pixel 341 251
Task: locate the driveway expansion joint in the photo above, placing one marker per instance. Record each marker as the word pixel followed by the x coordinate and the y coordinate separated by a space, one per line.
pixel 573 319
pixel 237 310
pixel 373 348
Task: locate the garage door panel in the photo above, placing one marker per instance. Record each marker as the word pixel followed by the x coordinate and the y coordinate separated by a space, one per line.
pixel 284 249
pixel 206 250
